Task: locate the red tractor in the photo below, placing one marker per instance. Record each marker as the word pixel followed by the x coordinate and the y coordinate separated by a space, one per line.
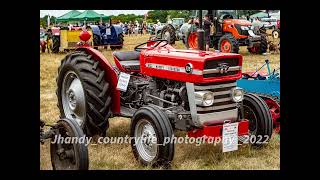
pixel 161 89
pixel 229 33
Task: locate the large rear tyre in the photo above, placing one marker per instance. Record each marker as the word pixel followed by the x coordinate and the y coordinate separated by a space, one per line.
pixel 191 40
pixel 68 156
pixel 228 44
pixel 260 120
pixel 55 44
pixel 263 44
pixel 83 93
pixel 150 127
pixel 121 40
pixel 168 32
pixel 96 41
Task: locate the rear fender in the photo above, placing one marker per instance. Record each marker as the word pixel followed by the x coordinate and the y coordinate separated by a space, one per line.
pixel 111 76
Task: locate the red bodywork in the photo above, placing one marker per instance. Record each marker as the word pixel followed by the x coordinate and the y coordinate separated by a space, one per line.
pixel 229 26
pixel 216 131
pixel 165 56
pixel 180 58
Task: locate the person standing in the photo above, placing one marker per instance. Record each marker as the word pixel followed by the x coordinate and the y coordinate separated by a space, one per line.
pixel 206 27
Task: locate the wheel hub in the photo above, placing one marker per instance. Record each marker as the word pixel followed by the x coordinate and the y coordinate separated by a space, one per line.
pixel 147 145
pixel 73 98
pixel 167 36
pixel 226 46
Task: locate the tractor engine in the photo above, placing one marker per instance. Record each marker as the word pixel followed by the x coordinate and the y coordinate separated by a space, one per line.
pixel 161 92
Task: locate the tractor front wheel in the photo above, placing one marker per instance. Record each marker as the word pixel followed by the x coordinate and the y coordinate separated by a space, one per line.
pixel 150 127
pixel 83 94
pixel 276 33
pixel 228 44
pixel 260 120
pixel 55 44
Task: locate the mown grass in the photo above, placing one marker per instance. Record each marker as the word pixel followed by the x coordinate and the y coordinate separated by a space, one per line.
pixel 187 156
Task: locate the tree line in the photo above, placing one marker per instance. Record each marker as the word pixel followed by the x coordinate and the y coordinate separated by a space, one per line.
pixel 152 17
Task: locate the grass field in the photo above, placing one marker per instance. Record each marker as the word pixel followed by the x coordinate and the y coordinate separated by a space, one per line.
pixel 187 156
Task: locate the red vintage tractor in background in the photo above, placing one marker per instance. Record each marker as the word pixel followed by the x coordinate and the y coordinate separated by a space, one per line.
pixel 229 33
pixel 161 89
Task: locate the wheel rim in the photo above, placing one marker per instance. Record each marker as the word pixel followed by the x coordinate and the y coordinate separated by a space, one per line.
pixel 251 116
pixel 73 98
pixel 274 109
pixel 166 36
pixel 275 34
pixel 193 40
pixel 144 132
pixel 225 46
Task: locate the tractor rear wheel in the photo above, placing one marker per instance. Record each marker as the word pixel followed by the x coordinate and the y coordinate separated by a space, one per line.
pixel 228 44
pixel 263 44
pixel 260 120
pixel 192 40
pixel 121 40
pixel 168 32
pixel 55 44
pixel 96 41
pixel 83 93
pixel 150 127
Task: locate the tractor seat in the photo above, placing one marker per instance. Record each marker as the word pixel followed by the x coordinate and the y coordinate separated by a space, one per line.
pixel 130 60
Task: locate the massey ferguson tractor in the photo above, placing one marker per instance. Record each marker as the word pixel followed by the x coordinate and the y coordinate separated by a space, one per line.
pixel 161 89
pixel 229 33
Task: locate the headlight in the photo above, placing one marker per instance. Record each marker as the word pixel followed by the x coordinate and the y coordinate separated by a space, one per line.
pixel 244 28
pixel 237 94
pixel 204 98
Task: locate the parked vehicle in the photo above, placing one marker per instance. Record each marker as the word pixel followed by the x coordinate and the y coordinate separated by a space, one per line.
pixel 229 33
pixel 266 86
pixel 269 23
pixel 161 89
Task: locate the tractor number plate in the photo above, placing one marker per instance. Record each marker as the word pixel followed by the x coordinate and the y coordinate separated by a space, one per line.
pixel 108 31
pixel 230 137
pixel 123 81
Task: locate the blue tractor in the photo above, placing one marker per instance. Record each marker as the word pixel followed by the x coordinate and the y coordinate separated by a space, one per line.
pixel 104 35
pixel 267 86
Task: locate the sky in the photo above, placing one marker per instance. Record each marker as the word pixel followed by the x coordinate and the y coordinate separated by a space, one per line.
pixel 58 13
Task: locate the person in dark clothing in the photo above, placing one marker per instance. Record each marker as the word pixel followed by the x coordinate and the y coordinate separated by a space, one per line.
pixel 206 27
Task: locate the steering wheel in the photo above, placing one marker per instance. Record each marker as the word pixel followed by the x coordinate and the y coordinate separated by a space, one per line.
pixel 138 48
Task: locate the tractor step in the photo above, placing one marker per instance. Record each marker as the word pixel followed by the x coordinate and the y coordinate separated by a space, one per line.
pixel 127 112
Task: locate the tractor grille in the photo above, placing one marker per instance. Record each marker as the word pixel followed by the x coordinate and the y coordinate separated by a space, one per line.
pixel 240 31
pixel 222 96
pixel 214 66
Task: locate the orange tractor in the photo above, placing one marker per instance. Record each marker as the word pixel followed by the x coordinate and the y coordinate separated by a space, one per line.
pixel 228 33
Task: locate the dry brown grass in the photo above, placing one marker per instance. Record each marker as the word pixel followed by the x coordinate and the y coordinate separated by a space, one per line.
pixel 187 156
